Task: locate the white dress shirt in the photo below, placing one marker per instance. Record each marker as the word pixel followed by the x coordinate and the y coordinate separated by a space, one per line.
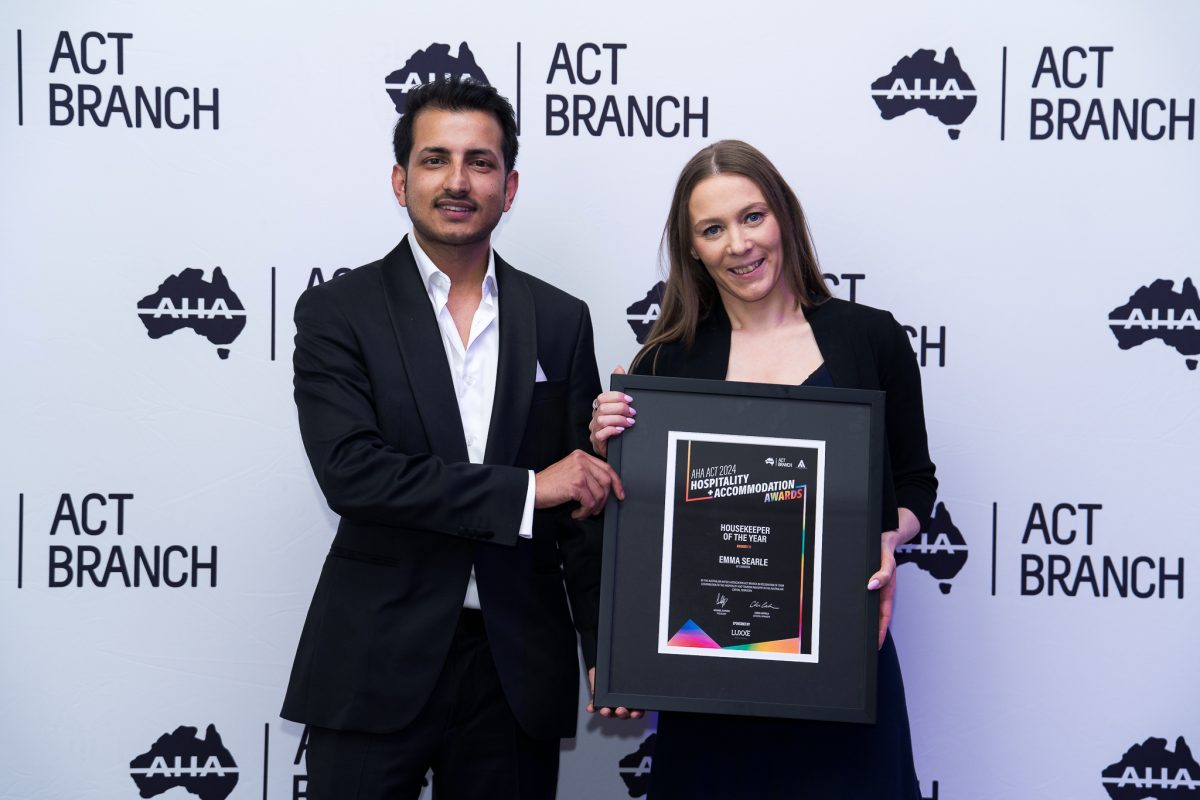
pixel 473 369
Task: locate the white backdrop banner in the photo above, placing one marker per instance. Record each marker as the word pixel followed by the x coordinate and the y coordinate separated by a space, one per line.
pixel 1019 184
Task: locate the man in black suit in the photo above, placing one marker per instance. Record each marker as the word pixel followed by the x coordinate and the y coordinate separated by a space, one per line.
pixel 443 396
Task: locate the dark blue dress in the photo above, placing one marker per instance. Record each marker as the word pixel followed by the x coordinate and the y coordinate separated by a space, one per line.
pixel 727 757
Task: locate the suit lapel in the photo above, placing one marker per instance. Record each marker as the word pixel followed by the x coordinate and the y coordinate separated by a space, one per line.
pixel 516 369
pixel 423 354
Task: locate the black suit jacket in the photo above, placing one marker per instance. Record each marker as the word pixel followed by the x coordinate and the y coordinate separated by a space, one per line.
pixel 380 423
pixel 864 348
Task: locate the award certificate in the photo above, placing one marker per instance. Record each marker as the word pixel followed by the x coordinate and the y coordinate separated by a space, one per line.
pixel 741 548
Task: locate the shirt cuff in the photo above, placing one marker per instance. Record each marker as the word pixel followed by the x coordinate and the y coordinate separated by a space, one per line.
pixel 526 530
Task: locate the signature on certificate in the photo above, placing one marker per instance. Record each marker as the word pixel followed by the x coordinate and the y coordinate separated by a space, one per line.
pixel 763 604
pixel 722 600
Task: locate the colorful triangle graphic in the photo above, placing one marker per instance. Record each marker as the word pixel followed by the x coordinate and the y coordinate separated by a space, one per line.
pixel 690 635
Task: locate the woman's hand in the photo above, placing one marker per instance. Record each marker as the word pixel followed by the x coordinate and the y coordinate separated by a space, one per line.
pixel 611 415
pixel 885 579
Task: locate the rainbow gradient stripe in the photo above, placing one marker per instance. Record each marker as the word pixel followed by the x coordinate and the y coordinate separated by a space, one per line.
pixel 691 635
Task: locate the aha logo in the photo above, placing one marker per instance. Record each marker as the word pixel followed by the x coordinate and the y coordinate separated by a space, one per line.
pixel 642 315
pixel 941 550
pixel 203 767
pixel 940 88
pixel 1158 312
pixel 635 768
pixel 1149 771
pixel 431 64
pixel 209 308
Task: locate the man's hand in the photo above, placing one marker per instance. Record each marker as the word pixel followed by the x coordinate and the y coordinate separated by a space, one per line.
pixel 620 712
pixel 580 477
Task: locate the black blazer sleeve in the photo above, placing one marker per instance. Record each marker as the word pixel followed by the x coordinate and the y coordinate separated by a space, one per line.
pixel 365 478
pixel 908 446
pixel 579 540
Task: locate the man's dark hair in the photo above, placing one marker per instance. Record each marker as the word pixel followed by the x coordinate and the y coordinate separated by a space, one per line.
pixel 456 94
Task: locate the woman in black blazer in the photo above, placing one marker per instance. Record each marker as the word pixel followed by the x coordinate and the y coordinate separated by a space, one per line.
pixel 744 286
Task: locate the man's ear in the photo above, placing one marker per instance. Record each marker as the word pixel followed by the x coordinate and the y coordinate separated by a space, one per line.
pixel 510 188
pixel 399 183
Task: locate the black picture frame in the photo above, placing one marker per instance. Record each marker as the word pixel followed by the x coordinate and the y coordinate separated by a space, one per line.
pixel 840 683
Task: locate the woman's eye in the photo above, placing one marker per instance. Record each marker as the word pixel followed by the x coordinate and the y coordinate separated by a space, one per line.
pixel 711 230
pixel 755 217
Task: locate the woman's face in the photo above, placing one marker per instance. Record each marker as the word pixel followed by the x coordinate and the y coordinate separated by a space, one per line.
pixel 736 235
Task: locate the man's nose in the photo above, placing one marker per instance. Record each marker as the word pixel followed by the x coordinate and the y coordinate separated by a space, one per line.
pixel 455 180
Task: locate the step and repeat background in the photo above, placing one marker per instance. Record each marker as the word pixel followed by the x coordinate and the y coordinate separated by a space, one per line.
pixel 1018 183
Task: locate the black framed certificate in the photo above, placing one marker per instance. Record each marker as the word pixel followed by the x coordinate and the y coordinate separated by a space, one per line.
pixel 735 571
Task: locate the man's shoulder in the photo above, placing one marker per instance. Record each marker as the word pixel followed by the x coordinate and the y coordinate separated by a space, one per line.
pixel 347 282
pixel 360 282
pixel 545 295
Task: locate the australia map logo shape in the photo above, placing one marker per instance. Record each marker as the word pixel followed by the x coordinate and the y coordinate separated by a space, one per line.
pixel 201 766
pixel 1149 771
pixel 642 315
pixel 209 308
pixel 430 64
pixel 939 88
pixel 635 768
pixel 941 550
pixel 1159 312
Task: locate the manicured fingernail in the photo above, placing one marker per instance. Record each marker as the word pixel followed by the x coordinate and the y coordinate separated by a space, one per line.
pixel 629 421
pixel 628 399
pixel 632 411
pixel 873 585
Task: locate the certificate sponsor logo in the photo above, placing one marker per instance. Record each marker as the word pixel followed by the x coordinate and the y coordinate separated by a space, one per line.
pixel 782 462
